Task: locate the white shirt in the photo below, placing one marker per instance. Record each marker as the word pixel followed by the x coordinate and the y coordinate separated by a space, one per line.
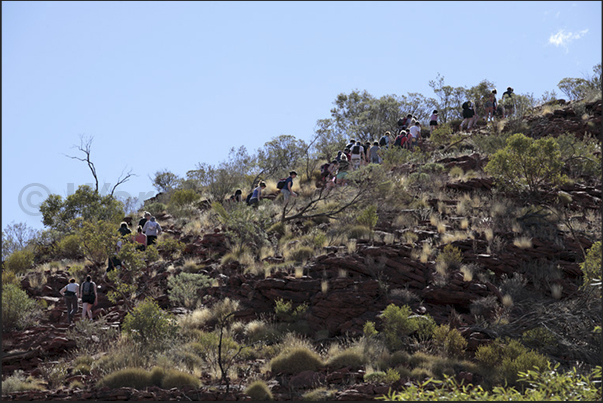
pixel 414 131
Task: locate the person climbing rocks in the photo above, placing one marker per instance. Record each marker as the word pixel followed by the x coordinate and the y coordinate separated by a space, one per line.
pixel 71 292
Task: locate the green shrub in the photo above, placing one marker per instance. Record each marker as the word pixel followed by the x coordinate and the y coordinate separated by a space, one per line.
pixel 69 247
pixel 136 378
pixel 19 262
pixel 450 340
pixel 387 377
pixel 538 337
pixel 285 312
pixel 184 196
pixel 368 217
pixel 544 385
pixel 526 163
pixel 510 357
pixel 184 288
pixel 441 135
pixel 97 239
pixel 397 326
pixel 259 391
pixel 369 329
pixel 350 357
pixel 295 361
pixel 177 379
pixel 149 325
pixel 18 310
pixel 170 247
pixel 157 207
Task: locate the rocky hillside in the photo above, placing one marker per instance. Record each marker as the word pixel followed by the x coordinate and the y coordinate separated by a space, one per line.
pixel 362 282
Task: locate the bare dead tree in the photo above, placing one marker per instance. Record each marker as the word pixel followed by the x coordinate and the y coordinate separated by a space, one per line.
pixel 86 147
pixel 315 206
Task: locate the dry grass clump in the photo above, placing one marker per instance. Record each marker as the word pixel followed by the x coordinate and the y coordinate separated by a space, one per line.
pixel 296 360
pixel 319 395
pixel 137 378
pixel 350 357
pixel 18 382
pixel 259 391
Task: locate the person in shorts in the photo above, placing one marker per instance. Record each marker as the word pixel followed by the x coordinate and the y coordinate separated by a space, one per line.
pixel 433 122
pixel 88 301
pixel 286 190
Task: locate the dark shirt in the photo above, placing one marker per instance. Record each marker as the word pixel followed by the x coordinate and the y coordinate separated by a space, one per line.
pixel 287 181
pixel 142 222
pixel 124 231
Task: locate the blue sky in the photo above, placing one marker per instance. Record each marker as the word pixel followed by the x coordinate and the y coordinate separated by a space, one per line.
pixel 166 85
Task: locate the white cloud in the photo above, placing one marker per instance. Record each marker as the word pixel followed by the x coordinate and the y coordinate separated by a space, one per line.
pixel 563 38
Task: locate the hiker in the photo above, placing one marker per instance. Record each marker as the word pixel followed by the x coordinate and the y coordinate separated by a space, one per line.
pixel 489 106
pixel 151 229
pixel 374 152
pixel 350 144
pixel 433 123
pixel 237 196
pixel 146 217
pixel 414 135
pixel 408 122
pixel 114 262
pixel 357 155
pixel 123 229
pixel 339 153
pixel 384 140
pixel 342 171
pixel 494 105
pixel 141 239
pixel 330 181
pixel 286 190
pixel 401 139
pixel 367 148
pixel 507 101
pixel 256 196
pixel 89 297
pixel 468 113
pixel 71 292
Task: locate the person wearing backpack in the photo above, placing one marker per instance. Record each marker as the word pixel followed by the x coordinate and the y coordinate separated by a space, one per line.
pixel 374 152
pixel 384 140
pixel 467 115
pixel 357 155
pixel 89 297
pixel 286 190
pixel 71 292
pixel 151 229
pixel 256 196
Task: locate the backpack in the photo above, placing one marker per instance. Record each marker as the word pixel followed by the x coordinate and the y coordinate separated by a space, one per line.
pixel 465 105
pixel 87 288
pixel 248 197
pixel 398 141
pixel 382 142
pixel 356 149
pixel 281 184
pixel 324 169
pixel 401 122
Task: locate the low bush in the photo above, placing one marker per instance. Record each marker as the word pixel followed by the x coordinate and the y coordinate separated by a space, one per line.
pixel 18 382
pixel 177 379
pixel 449 340
pixel 387 377
pixel 18 310
pixel 148 325
pixel 295 361
pixel 183 289
pixel 351 357
pixel 19 262
pixel 136 378
pixel 259 391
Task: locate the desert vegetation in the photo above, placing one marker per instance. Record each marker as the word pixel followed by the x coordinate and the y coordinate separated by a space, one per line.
pixel 467 269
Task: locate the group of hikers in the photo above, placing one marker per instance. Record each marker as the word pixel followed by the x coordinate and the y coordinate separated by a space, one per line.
pixel 333 174
pixel 492 109
pixel 357 154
